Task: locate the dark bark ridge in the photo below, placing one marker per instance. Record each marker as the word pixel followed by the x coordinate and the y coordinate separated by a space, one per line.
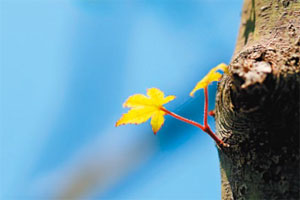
pixel 257 113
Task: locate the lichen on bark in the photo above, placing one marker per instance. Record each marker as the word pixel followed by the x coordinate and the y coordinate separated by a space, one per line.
pixel 257 105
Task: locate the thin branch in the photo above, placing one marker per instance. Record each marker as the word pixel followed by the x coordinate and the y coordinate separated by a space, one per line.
pixel 205 107
pixel 205 129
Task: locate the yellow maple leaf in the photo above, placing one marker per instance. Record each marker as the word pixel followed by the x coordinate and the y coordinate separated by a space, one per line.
pixel 146 107
pixel 212 75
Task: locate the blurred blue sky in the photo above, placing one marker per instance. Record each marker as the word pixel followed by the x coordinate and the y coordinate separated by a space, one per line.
pixel 65 69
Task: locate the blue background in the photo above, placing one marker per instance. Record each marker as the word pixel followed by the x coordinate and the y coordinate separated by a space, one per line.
pixel 67 67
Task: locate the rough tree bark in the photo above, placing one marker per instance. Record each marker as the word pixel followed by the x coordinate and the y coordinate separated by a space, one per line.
pixel 257 105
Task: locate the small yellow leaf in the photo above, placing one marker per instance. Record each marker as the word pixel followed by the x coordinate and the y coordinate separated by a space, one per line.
pixel 146 107
pixel 157 96
pixel 136 101
pixel 157 120
pixel 212 76
pixel 136 115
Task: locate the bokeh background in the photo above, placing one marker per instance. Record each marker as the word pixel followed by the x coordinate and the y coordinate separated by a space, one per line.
pixel 66 68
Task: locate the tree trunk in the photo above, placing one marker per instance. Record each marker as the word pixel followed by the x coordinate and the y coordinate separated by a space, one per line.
pixel 257 105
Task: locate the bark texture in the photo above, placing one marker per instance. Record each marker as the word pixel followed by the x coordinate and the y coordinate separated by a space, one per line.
pixel 257 105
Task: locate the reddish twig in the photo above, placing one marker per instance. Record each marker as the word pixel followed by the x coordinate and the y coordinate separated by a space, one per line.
pixel 205 107
pixel 203 128
pixel 211 113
